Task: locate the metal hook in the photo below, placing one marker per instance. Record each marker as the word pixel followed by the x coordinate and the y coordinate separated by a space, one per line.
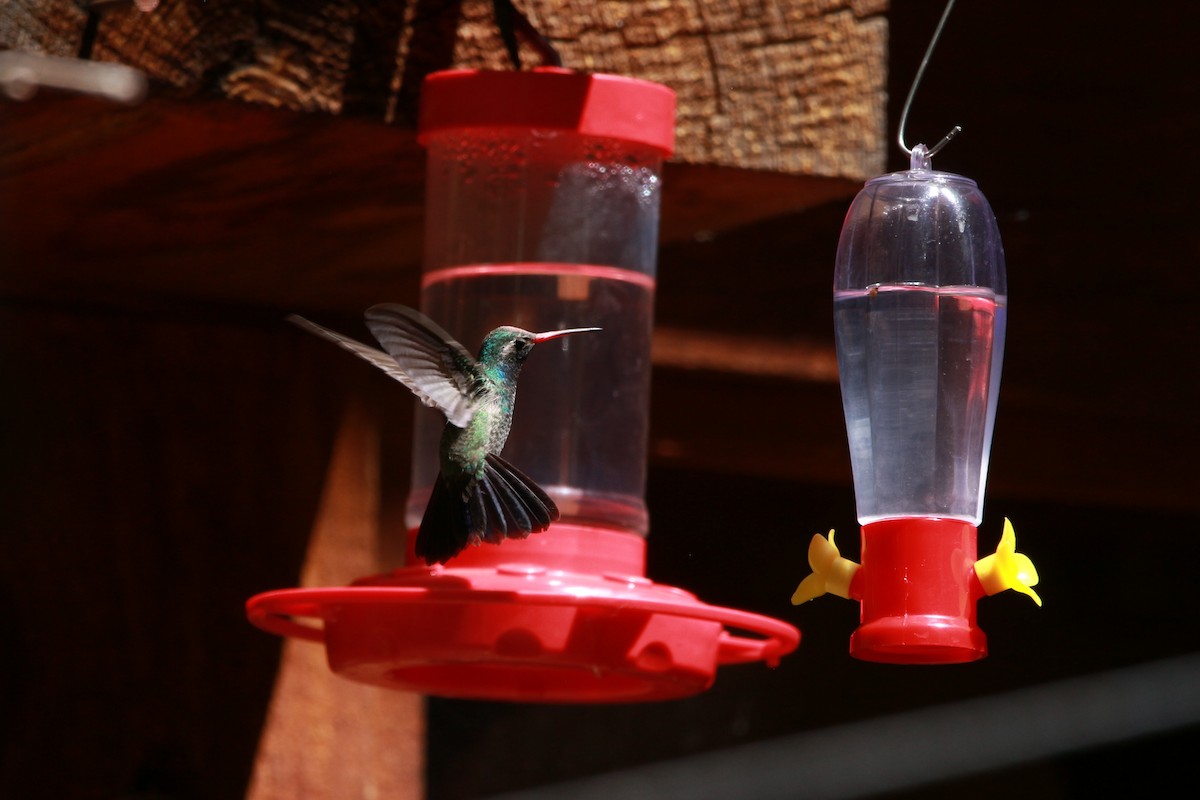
pixel 937 34
pixel 21 74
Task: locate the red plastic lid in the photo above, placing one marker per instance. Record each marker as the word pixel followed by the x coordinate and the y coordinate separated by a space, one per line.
pixel 607 106
pixel 918 590
pixel 526 620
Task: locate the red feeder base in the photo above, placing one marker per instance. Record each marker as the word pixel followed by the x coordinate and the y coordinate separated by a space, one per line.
pixel 918 590
pixel 565 616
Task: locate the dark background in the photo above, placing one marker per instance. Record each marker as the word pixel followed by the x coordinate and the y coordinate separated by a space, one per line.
pixel 128 668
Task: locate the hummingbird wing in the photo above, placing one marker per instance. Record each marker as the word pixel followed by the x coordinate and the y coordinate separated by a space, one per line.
pixel 422 370
pixel 435 367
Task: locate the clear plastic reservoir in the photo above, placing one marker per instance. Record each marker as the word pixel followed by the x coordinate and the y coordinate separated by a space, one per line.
pixel 920 310
pixel 549 224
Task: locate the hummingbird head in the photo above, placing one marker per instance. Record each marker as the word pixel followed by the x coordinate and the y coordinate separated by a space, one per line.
pixel 511 346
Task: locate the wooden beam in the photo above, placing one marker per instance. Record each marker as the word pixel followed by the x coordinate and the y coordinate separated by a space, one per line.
pixel 795 86
pixel 309 194
pixel 209 200
pixel 795 360
pixel 325 736
pixel 201 198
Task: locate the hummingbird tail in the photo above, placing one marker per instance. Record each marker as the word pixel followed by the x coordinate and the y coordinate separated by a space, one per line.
pixel 444 530
pixel 501 503
pixel 520 506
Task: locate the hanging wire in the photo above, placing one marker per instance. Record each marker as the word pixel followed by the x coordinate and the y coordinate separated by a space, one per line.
pixel 957 129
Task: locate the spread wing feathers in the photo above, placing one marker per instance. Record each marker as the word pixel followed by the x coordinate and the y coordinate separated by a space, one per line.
pixel 501 503
pixel 424 372
pixel 441 371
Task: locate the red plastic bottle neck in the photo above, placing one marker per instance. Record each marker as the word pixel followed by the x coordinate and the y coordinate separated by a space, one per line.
pixel 918 593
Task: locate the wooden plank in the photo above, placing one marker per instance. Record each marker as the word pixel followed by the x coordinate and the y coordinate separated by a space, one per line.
pixel 208 200
pixel 138 205
pixel 795 86
pixel 731 353
pixel 120 203
pixel 325 736
pixel 48 27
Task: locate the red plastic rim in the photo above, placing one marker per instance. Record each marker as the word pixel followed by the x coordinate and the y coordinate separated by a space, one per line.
pixel 523 632
pixel 550 98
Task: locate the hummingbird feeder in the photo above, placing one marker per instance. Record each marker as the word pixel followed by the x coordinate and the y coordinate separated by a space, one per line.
pixel 542 212
pixel 920 302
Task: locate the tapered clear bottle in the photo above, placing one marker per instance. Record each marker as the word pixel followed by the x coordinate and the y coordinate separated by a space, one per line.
pixel 920 306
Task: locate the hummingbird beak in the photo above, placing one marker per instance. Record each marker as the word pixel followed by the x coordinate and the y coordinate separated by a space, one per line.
pixel 548 335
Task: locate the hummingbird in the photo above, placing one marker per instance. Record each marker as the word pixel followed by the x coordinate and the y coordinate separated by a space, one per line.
pixel 478 496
